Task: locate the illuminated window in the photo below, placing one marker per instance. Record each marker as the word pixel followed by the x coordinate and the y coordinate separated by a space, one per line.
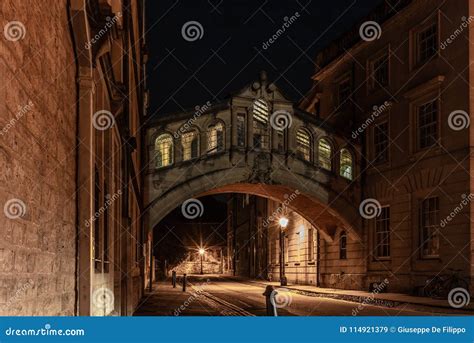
pixel 324 154
pixel 190 145
pixel 343 246
pixel 429 227
pixel 382 233
pixel 345 164
pixel 261 137
pixel 164 150
pixel 215 138
pixel 303 144
pixel 241 136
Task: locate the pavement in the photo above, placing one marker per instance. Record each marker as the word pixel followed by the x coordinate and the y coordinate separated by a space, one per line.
pixel 215 295
pixel 384 299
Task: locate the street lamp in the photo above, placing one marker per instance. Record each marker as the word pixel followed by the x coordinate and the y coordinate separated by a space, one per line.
pixel 201 252
pixel 283 221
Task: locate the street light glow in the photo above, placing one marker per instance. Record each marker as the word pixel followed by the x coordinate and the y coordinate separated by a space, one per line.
pixel 201 251
pixel 283 221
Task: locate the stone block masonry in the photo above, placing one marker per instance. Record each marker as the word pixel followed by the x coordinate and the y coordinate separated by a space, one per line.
pixel 37 159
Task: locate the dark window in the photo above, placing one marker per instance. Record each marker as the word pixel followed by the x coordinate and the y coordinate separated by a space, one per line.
pixel 381 143
pixel 382 233
pixel 427 124
pixel 343 246
pixel 380 71
pixel 429 227
pixel 344 91
pixel 427 43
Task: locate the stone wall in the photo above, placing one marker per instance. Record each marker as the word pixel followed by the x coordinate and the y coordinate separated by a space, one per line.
pixel 37 159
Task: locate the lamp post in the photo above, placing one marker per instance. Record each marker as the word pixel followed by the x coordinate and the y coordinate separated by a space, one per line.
pixel 201 252
pixel 283 221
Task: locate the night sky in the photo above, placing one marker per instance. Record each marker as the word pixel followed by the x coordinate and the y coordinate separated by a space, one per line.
pixel 230 53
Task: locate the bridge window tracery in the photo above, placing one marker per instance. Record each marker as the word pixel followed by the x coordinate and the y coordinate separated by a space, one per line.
pixel 164 150
pixel 261 136
pixel 303 144
pixel 215 138
pixel 345 164
pixel 190 145
pixel 324 154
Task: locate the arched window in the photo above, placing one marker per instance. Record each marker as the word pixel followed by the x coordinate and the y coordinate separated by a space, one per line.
pixel 190 145
pixel 261 137
pixel 343 245
pixel 324 154
pixel 345 164
pixel 164 150
pixel 303 144
pixel 215 138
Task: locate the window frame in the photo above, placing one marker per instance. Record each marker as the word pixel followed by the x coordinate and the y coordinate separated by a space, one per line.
pixel 170 153
pixel 300 154
pixel 416 108
pixel 372 83
pixel 377 125
pixel 415 61
pixel 376 243
pixel 210 150
pixel 184 149
pixel 421 227
pixel 331 152
pixel 340 163
pixel 342 247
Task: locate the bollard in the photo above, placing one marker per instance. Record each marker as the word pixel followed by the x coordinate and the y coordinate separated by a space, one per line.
pixel 270 294
pixel 184 283
pixel 173 278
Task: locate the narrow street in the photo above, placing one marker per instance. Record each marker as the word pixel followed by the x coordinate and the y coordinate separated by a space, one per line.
pixel 220 296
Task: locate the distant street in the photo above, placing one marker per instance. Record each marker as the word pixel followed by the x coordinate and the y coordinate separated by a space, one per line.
pixel 220 296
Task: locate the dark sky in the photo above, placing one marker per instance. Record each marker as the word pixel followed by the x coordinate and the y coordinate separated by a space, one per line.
pixel 230 52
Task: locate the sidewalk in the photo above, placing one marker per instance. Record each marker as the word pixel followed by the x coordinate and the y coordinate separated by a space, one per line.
pixel 381 299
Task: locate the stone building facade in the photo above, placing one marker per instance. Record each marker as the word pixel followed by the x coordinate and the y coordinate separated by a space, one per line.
pixel 406 93
pixel 70 156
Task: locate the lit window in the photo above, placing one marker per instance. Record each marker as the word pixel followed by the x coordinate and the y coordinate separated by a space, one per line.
pixel 381 147
pixel 303 144
pixel 261 137
pixel 311 256
pixel 241 130
pixel 429 227
pixel 427 124
pixel 382 233
pixel 343 246
pixel 190 145
pixel 164 150
pixel 324 154
pixel 215 138
pixel 345 164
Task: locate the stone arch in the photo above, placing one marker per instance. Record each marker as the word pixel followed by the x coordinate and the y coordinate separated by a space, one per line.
pixel 317 203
